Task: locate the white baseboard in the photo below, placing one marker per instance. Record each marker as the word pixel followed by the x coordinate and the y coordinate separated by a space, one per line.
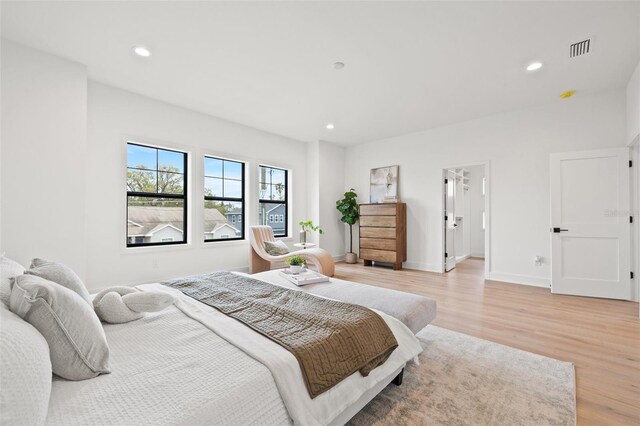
pixel 428 267
pixel 338 258
pixel 520 279
pixel 462 258
pixel 478 255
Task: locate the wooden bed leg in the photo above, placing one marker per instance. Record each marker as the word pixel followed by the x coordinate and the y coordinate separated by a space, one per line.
pixel 398 380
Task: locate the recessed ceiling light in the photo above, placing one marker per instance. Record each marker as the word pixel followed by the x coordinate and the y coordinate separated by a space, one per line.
pixel 338 65
pixel 142 51
pixel 533 66
pixel 330 126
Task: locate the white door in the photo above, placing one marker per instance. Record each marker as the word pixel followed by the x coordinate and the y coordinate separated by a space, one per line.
pixel 590 240
pixel 449 222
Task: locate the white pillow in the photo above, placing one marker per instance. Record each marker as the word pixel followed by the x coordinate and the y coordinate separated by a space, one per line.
pixel 8 269
pixel 276 248
pixel 77 343
pixel 25 372
pixel 59 274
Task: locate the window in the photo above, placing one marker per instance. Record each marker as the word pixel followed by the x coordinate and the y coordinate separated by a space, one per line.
pixel 273 187
pixel 223 199
pixel 156 196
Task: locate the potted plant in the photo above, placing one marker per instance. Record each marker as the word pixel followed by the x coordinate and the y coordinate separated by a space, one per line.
pixel 348 208
pixel 296 264
pixel 308 226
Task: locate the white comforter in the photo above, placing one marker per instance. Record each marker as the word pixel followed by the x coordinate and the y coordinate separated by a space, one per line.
pixel 217 371
pixel 170 370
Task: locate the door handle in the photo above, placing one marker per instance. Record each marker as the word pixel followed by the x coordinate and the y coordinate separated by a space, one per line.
pixel 558 230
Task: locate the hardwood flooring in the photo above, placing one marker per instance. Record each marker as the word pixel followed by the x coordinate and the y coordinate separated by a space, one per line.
pixel 600 336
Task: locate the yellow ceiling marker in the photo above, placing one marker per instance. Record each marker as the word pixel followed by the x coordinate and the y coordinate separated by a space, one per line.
pixel 567 94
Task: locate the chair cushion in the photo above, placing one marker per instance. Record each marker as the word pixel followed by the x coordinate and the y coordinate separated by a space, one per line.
pixel 25 371
pixel 276 248
pixel 77 343
pixel 8 269
pixel 59 274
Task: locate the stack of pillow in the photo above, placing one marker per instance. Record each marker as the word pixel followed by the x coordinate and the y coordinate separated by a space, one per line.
pixel 48 325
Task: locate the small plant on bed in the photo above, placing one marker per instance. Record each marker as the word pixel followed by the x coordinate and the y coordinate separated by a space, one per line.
pixel 348 208
pixel 296 264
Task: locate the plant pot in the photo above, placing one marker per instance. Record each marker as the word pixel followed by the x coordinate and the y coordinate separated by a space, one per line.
pixel 351 258
pixel 296 269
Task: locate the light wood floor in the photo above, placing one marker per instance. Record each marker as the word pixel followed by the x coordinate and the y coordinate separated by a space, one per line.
pixel 601 337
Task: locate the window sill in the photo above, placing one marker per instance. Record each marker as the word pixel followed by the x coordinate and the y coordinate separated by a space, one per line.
pixel 152 249
pixel 219 243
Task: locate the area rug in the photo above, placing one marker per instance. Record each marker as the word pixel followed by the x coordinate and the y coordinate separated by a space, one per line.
pixel 463 380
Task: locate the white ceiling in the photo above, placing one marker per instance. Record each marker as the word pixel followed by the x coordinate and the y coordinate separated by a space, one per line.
pixel 409 66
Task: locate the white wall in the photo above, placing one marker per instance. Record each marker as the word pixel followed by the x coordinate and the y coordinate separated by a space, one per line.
pixel 476 207
pixel 331 189
pixel 325 185
pixel 633 105
pixel 312 191
pixel 44 109
pixel 113 115
pixel 518 145
pixel 64 171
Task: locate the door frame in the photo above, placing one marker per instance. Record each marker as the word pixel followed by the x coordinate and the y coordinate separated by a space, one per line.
pixel 487 212
pixel 445 177
pixel 634 155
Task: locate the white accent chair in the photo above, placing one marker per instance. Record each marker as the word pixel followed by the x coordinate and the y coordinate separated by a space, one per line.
pixel 260 261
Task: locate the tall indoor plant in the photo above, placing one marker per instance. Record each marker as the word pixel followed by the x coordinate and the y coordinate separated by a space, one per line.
pixel 348 208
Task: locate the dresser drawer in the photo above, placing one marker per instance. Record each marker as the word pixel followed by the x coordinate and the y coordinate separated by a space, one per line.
pixel 377 209
pixel 371 232
pixel 380 221
pixel 378 243
pixel 378 255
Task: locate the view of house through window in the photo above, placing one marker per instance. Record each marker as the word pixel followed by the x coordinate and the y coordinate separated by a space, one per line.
pixel 223 199
pixel 156 196
pixel 273 187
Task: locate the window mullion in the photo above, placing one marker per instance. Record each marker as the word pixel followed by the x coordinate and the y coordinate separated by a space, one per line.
pixel 167 206
pixel 232 203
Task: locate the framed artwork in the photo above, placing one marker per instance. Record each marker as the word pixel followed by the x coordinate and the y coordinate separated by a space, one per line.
pixel 384 185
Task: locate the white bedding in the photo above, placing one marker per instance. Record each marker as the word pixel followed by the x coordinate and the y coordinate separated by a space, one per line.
pixel 184 373
pixel 231 376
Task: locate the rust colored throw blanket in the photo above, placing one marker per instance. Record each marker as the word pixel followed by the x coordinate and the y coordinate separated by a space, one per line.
pixel 331 340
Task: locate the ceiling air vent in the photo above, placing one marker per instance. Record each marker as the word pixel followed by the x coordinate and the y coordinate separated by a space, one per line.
pixel 580 48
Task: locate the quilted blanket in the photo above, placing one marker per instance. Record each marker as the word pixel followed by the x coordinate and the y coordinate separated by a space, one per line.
pixel 331 340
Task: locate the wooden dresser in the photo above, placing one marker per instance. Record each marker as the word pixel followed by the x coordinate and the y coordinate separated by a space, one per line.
pixel 383 233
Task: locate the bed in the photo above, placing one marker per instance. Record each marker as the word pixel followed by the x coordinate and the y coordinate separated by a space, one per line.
pixel 215 370
pixel 413 310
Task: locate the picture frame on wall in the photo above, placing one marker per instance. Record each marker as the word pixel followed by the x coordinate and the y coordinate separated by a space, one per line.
pixel 384 185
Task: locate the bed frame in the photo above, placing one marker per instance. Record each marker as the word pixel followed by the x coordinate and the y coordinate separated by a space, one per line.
pixel 353 409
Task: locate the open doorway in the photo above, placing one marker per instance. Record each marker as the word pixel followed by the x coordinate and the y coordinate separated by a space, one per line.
pixel 465 208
